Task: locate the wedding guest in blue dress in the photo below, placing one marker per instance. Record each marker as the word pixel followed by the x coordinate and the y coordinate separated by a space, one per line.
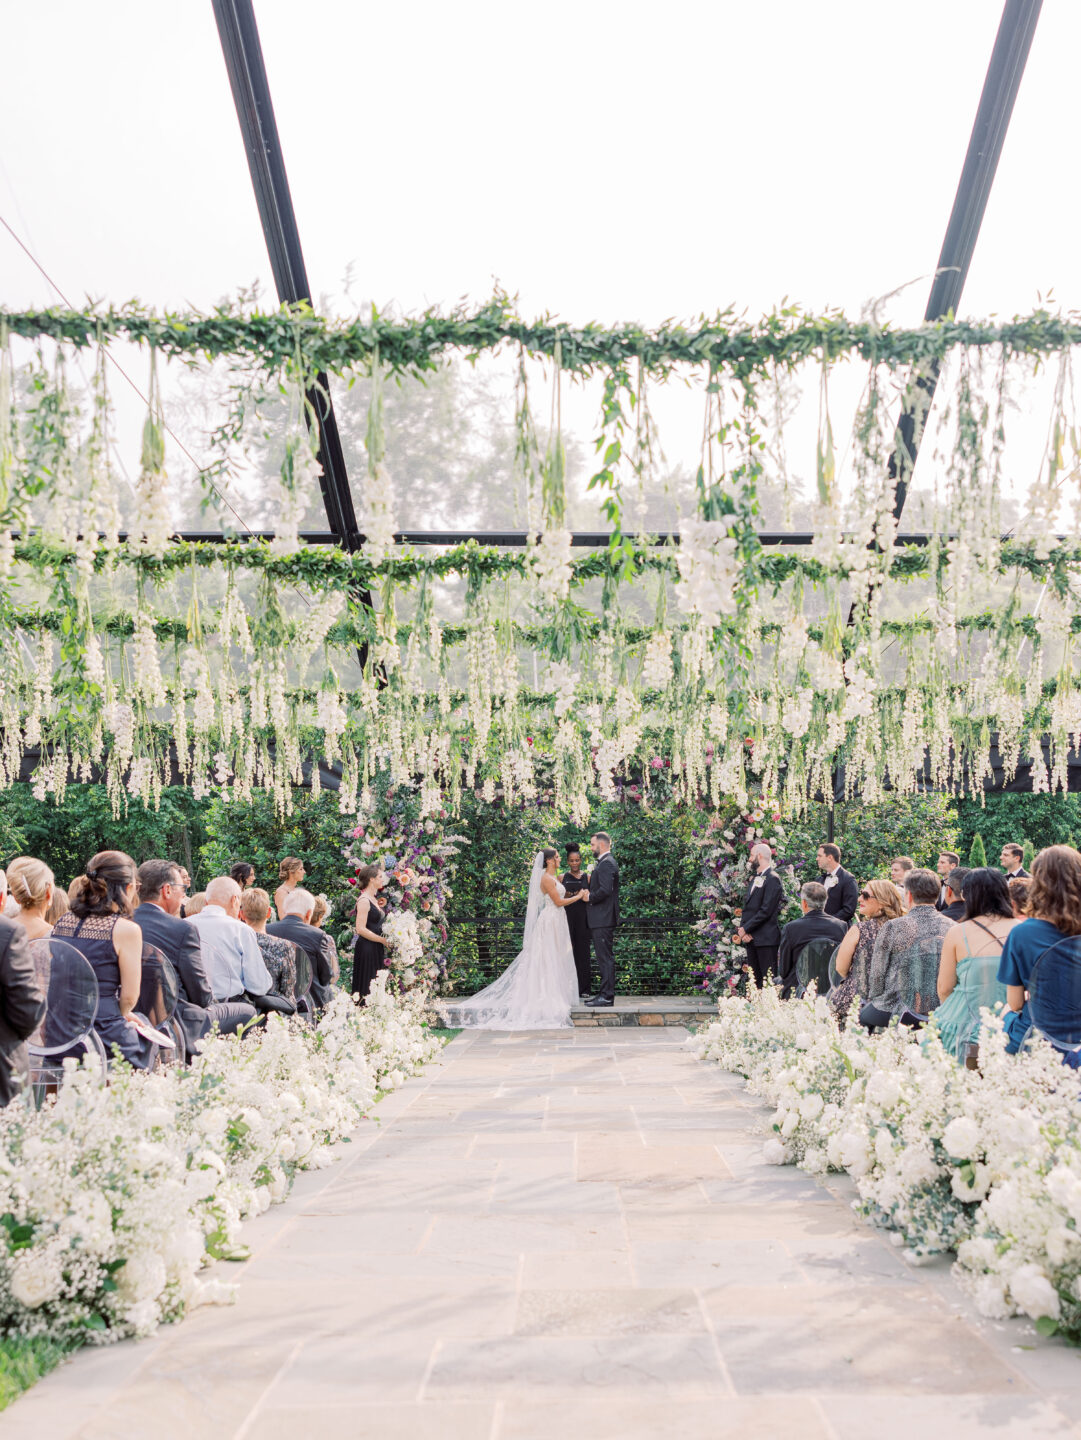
pixel 99 926
pixel 968 966
pixel 1046 948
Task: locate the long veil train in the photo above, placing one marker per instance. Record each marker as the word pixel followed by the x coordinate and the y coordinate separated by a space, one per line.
pixel 537 989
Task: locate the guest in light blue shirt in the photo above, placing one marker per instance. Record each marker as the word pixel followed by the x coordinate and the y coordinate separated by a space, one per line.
pixel 231 954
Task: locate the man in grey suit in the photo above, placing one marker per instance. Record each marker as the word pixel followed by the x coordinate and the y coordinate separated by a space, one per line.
pixel 161 894
pixel 295 925
pixel 21 1002
pixel 603 907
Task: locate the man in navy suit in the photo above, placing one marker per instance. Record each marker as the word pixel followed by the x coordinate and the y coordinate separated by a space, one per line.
pixel 603 908
pixel 161 894
pixel 842 891
pixel 758 927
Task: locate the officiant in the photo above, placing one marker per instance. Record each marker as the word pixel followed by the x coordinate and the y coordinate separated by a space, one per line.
pixel 575 880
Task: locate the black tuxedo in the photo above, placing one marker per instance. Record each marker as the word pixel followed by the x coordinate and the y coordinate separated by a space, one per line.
pixel 196 1009
pixel 797 935
pixel 603 917
pixel 843 896
pixel 320 950
pixel 761 906
pixel 578 925
pixel 1021 874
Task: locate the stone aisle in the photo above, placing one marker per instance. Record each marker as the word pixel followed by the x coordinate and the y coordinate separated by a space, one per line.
pixel 550 1236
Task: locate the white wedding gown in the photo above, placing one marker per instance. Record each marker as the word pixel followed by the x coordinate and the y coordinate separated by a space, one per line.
pixel 538 989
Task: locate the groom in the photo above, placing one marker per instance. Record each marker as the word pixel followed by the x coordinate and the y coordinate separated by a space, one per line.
pixel 603 908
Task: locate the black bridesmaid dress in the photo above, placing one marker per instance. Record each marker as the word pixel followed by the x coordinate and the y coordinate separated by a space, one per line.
pixel 368 956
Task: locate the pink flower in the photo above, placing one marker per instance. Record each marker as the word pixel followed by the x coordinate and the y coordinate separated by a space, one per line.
pixel 656 763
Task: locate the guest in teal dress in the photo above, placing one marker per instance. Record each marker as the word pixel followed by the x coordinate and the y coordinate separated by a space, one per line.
pixel 968 966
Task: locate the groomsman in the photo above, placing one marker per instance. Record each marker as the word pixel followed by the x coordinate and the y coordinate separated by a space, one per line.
pixel 1010 860
pixel 842 892
pixel 574 881
pixel 947 861
pixel 758 928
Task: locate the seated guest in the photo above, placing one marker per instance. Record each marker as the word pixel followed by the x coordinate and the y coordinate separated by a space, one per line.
pixel 194 905
pixel 968 965
pixel 1019 896
pixel 290 874
pixel 75 888
pixel 842 892
pixel 31 885
pixel 1010 860
pixel 161 892
pixel 947 861
pixel 797 934
pixel 99 926
pixel 58 905
pixel 904 966
pixel 954 908
pixel 900 867
pixel 295 925
pixel 21 1002
pixel 279 956
pixel 1051 933
pixel 320 916
pixel 880 900
pixel 243 874
pixel 234 962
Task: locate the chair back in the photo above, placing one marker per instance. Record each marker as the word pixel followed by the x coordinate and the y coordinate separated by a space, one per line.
pixel 66 978
pixel 1054 994
pixel 160 989
pixel 304 973
pixel 813 966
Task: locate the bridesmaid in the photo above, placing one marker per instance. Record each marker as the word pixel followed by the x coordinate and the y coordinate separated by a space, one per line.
pixel 290 873
pixel 370 951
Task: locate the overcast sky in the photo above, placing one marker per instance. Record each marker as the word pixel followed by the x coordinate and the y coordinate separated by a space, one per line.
pixel 606 160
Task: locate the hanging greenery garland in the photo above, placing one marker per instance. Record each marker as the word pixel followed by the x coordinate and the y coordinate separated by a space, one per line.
pixel 236 665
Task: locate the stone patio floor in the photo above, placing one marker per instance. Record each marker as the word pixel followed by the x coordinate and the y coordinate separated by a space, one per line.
pixel 559 1235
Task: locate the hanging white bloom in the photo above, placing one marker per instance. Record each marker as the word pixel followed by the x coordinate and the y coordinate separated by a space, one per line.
pixel 550 563
pixel 708 572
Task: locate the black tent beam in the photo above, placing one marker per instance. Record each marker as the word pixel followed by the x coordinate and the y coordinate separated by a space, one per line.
pixel 515 539
pixel 1008 58
pixel 243 53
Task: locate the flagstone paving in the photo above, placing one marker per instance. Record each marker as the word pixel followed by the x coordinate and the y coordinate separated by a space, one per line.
pixel 559 1235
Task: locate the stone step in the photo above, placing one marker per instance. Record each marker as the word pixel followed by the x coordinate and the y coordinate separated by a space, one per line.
pixel 647 1010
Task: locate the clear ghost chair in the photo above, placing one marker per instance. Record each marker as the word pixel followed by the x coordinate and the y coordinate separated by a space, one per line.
pixel 157 1004
pixel 305 1005
pixel 67 980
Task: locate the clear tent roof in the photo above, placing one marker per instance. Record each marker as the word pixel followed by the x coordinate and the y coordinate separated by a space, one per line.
pixel 601 161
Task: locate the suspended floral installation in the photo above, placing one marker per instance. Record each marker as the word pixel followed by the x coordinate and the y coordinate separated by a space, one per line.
pixel 146 660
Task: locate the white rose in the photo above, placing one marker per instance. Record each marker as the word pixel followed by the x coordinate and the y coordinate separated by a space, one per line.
pixel 811 1106
pixel 774 1152
pixel 34 1281
pixel 212 1121
pixel 791 1124
pixel 961 1138
pixel 884 1089
pixel 1033 1293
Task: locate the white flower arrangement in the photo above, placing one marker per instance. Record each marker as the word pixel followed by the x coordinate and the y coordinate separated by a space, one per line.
pixel 113 1198
pixel 985 1163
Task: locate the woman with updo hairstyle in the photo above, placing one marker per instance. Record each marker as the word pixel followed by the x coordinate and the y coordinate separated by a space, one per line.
pixel 31 884
pixel 290 873
pixel 99 926
pixel 370 951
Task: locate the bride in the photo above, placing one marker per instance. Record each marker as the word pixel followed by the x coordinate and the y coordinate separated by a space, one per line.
pixel 538 989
